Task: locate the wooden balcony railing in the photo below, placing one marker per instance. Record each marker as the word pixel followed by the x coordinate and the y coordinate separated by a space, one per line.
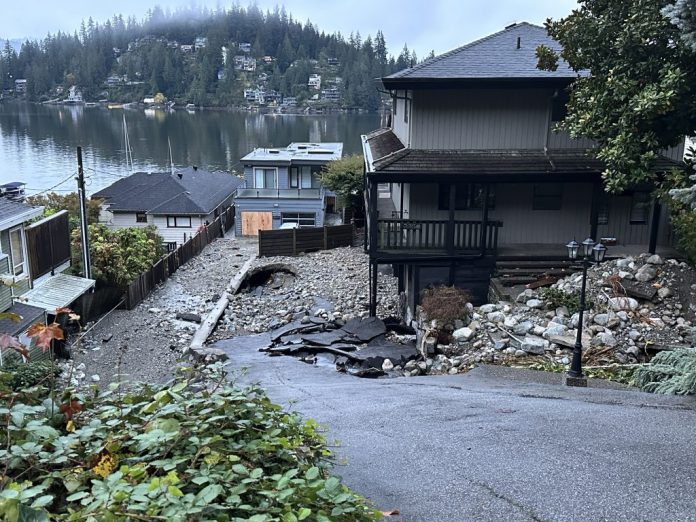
pixel 435 235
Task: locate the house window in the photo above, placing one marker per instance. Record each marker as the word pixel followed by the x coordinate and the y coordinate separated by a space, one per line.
pixel 547 196
pixel 179 221
pixel 17 250
pixel 303 219
pixel 603 210
pixel 640 205
pixel 140 217
pixel 265 177
pixel 468 196
pixel 304 177
pixel 559 106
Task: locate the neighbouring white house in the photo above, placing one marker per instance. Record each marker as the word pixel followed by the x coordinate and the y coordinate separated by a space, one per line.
pixel 176 204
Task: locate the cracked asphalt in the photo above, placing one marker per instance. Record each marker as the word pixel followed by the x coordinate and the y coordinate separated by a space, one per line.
pixel 493 444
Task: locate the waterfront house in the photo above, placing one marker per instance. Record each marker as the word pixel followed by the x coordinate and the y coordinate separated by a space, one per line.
pixel 20 86
pixel 33 258
pixel 282 187
pixel 176 204
pixel 471 170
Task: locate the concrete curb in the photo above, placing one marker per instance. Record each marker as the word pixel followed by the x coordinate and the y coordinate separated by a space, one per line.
pixel 208 325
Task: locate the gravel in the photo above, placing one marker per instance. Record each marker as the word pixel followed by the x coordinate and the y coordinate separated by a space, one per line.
pixel 146 343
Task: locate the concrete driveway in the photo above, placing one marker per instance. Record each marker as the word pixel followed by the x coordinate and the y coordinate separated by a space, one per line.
pixel 494 444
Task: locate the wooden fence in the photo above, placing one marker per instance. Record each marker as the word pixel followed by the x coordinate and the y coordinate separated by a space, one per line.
pixel 145 283
pixel 48 243
pixel 297 240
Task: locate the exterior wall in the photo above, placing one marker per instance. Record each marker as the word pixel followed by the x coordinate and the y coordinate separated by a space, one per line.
pixel 315 206
pixel 523 225
pixel 5 291
pixel 22 285
pixel 127 220
pixel 400 125
pixel 176 235
pixel 484 119
pixel 283 176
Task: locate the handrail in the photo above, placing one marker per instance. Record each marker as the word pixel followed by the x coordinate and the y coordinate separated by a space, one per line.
pixel 436 234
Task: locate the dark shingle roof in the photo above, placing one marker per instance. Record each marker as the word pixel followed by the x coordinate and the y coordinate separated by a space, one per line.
pixel 28 315
pixel 14 209
pixel 493 57
pixel 195 192
pixel 496 162
pixel 382 142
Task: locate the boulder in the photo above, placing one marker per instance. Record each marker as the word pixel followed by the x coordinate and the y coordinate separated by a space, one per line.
pixel 186 316
pixel 655 260
pixel 463 334
pixel 623 303
pixel 488 308
pixel 522 328
pixel 534 345
pixel 525 296
pixel 665 292
pixel 646 273
pixel 604 339
pixel 535 303
pixel 601 319
pixel 554 329
pixel 496 317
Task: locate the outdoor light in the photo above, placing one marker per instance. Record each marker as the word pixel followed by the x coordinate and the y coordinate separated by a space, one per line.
pixel 572 249
pixel 592 253
pixel 598 252
pixel 587 246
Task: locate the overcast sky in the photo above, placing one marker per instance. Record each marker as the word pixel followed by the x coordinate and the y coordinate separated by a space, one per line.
pixel 423 24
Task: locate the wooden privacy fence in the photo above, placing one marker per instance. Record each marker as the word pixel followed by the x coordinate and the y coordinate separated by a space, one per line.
pixel 48 243
pixel 145 283
pixel 297 240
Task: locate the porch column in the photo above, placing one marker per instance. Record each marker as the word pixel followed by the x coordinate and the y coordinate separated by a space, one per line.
pixel 654 225
pixel 450 223
pixel 484 218
pixel 372 215
pixel 373 288
pixel 594 209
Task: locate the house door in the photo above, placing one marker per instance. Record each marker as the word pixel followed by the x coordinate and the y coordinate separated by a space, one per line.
pixel 252 222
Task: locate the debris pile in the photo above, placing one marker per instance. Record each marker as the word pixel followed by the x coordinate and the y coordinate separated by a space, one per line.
pixel 637 306
pixel 358 346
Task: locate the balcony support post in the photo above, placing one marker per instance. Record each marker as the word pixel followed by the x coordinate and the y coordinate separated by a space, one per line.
pixel 484 218
pixel 450 222
pixel 373 215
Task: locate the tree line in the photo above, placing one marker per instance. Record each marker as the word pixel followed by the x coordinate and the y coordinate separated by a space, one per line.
pixel 143 53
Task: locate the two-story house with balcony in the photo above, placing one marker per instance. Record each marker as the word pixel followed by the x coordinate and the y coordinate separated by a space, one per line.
pixel 283 187
pixel 472 170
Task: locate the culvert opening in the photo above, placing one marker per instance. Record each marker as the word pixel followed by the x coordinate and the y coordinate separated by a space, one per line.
pixel 266 279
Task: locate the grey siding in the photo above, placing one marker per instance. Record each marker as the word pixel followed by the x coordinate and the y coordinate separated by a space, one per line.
pixel 485 119
pixel 401 126
pixel 627 233
pixel 315 206
pixel 283 176
pixel 5 291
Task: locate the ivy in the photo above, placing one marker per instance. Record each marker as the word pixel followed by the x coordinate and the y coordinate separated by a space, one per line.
pixel 195 449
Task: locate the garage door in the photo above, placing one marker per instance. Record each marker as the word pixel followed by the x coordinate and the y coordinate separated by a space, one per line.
pixel 252 222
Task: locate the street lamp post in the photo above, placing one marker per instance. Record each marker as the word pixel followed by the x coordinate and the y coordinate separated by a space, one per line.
pixel 591 253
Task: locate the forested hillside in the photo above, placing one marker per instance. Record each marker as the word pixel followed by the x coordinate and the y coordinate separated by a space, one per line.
pixel 234 56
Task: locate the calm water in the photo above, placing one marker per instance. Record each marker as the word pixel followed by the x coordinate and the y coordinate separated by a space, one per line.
pixel 38 143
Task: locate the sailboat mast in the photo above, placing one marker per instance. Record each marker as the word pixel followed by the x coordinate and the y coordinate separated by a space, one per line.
pixel 171 159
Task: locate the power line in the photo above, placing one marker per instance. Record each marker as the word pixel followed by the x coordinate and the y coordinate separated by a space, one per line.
pixel 71 176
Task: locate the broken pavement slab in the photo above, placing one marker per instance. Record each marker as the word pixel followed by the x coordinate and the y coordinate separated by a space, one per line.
pixel 365 329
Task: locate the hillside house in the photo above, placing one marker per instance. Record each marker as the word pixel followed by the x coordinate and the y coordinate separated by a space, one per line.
pixel 176 204
pixel 314 81
pixel 471 171
pixel 33 257
pixel 20 86
pixel 282 187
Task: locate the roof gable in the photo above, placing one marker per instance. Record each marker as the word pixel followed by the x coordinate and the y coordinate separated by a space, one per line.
pixel 508 54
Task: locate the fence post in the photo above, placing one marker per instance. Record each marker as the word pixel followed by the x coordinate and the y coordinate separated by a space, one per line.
pixel 326 244
pixel 294 241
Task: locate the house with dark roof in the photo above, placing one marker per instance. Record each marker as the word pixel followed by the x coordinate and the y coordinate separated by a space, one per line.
pixel 472 170
pixel 33 258
pixel 282 187
pixel 176 204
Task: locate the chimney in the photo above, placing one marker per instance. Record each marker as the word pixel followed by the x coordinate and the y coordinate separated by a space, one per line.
pixel 519 42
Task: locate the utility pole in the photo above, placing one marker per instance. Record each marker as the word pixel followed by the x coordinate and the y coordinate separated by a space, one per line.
pixel 86 261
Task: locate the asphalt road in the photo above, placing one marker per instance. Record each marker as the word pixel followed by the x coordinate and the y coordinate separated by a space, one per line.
pixel 494 444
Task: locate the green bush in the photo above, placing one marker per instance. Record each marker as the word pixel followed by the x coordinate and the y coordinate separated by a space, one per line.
pixel 670 372
pixel 684 223
pixel 558 298
pixel 26 375
pixel 181 452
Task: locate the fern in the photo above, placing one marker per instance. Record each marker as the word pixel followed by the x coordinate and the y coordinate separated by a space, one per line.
pixel 671 372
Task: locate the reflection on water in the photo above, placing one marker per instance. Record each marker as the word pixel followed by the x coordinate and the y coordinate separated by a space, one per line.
pixel 38 143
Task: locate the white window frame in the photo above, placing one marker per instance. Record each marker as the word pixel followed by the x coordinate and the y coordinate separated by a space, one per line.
pixel 302 222
pixel 23 264
pixel 263 177
pixel 175 221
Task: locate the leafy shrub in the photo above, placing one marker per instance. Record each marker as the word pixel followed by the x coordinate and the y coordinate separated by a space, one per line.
pixel 670 372
pixel 119 256
pixel 445 304
pixel 558 298
pixel 684 223
pixel 26 375
pixel 183 451
pixel 54 203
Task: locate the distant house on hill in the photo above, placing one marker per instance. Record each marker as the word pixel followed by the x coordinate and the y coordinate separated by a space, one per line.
pixel 177 205
pixel 20 86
